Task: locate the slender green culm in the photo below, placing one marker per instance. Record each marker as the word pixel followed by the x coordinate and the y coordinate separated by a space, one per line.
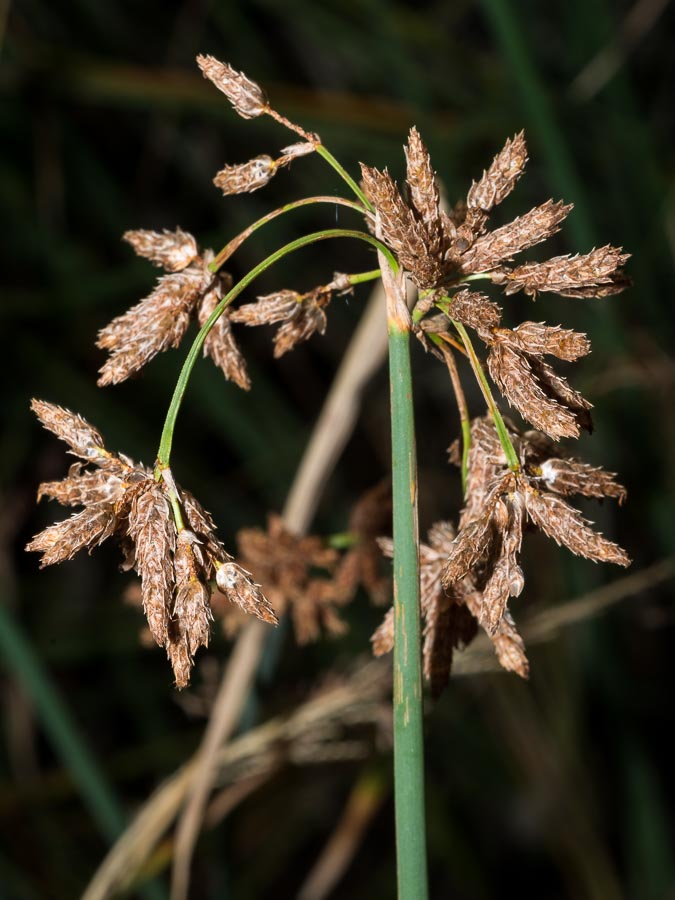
pixel 408 708
pixel 344 174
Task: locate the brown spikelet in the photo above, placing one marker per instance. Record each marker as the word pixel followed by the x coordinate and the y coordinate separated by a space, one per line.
pixel 499 180
pixel 400 230
pixel 247 177
pixel 507 642
pixel 150 327
pixel 247 98
pixel 594 274
pixel 152 530
pixel 423 190
pixel 238 586
pixel 302 315
pixel 220 344
pixel 512 372
pixel 294 151
pixel 476 311
pixel 307 318
pixel 504 243
pixel 202 524
pixel 267 310
pixel 83 439
pixel 172 250
pixel 63 540
pixel 536 339
pixel 567 526
pixel 85 488
pixel 466 550
pixel 506 577
pixel 190 620
pixel 571 476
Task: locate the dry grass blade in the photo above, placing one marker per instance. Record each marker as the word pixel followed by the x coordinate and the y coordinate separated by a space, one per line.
pixel 359 700
pixel 361 808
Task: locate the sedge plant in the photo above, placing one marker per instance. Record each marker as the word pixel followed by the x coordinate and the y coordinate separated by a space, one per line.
pixel 434 262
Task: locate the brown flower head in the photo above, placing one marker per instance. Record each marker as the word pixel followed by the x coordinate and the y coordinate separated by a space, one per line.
pixel 124 500
pixel 491 524
pixel 173 251
pixel 301 315
pixel 247 98
pixel 160 321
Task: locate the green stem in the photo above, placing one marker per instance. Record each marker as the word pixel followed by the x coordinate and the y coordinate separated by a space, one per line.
pixel 361 277
pixel 239 239
pixel 166 440
pixel 504 439
pixel 344 174
pixel 408 709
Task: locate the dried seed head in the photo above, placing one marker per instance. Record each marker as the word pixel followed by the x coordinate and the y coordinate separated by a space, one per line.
pixel 302 315
pixel 536 339
pixel 501 177
pixel 302 148
pixel 505 578
pixel 423 190
pixel 594 274
pixel 152 326
pixel 466 550
pixel 63 540
pixel 476 311
pixel 247 98
pixel 513 374
pixel 308 317
pixel 152 530
pixel 399 229
pixel 220 344
pixel 571 476
pixel 246 177
pixel 202 524
pixel 494 247
pixel 85 488
pixel 560 521
pixel 172 250
pixel 238 586
pixel 82 438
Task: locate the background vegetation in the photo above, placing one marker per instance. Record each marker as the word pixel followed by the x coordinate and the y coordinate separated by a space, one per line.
pixel 561 787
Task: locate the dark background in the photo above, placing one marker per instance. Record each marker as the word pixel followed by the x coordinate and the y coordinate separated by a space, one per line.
pixel 561 787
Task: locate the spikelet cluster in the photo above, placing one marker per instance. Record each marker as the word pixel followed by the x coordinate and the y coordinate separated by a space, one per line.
pixel 438 248
pixel 469 575
pixel 188 291
pixel 176 563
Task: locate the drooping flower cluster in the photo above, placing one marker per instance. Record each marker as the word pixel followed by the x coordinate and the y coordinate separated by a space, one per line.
pixel 468 576
pixel 301 315
pixel 176 562
pixel 188 291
